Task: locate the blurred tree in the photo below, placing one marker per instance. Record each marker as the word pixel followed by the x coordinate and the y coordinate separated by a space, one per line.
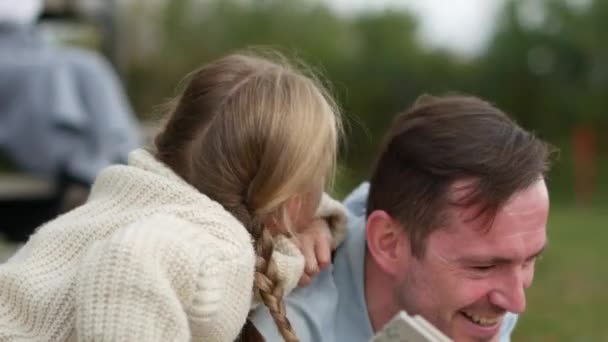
pixel 548 65
pixel 375 65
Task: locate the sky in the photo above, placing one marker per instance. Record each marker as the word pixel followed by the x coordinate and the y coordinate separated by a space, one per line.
pixel 462 26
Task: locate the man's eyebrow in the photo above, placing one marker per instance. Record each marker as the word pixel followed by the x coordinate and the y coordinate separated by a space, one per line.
pixel 497 260
pixel 540 251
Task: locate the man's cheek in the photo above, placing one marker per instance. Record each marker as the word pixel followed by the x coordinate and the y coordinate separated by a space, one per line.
pixel 468 292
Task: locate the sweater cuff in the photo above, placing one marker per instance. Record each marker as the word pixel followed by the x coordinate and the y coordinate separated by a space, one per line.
pixel 335 214
pixel 290 266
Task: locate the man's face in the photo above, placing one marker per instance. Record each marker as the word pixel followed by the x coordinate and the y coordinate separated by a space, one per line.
pixel 469 278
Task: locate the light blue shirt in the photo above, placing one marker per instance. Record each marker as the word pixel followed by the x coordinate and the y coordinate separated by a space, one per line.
pixel 333 307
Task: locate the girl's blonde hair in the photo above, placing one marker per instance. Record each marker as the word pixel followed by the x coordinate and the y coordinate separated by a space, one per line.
pixel 251 132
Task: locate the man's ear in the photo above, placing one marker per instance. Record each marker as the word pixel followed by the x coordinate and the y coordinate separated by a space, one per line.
pixel 387 242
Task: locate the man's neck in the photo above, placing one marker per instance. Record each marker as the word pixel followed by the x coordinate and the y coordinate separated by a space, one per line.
pixel 379 295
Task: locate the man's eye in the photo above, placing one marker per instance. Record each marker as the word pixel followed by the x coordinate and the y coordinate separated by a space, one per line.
pixel 483 268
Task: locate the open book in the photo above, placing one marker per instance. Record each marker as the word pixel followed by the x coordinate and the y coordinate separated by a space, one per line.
pixel 405 328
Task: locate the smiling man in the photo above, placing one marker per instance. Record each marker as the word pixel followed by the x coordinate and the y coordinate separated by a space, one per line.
pixel 465 276
pixel 449 228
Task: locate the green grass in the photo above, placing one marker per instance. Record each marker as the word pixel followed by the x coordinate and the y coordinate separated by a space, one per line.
pixel 570 291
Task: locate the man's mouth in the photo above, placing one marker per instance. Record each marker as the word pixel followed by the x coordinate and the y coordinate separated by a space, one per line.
pixel 484 321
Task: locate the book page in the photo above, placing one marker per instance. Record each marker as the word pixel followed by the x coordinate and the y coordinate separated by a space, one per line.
pixel 404 328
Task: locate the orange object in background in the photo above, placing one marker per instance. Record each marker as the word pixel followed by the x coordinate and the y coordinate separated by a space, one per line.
pixel 584 146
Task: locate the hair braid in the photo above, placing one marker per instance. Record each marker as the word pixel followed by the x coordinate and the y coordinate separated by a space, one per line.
pixel 266 278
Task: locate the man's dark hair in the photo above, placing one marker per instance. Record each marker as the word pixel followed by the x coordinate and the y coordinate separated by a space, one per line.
pixel 444 139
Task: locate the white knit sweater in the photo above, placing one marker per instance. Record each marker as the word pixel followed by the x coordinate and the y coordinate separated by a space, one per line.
pixel 147 258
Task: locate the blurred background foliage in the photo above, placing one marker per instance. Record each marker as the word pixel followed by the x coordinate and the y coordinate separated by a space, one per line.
pixel 546 64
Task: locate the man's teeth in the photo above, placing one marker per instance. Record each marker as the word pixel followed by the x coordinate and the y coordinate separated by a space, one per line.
pixel 481 320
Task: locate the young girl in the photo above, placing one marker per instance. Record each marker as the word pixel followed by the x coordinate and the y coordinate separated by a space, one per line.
pixel 180 243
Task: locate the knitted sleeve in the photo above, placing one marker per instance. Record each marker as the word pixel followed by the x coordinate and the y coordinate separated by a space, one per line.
pixel 163 279
pixel 289 258
pixel 335 214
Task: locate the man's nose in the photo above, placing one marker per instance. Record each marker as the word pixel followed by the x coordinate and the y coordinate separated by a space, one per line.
pixel 510 294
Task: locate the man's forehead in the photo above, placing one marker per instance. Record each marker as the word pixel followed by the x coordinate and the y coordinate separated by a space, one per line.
pixel 516 230
pixel 522 203
pixel 457 245
pixel 528 200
